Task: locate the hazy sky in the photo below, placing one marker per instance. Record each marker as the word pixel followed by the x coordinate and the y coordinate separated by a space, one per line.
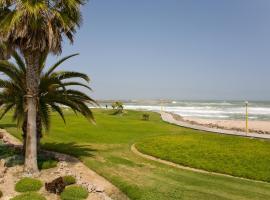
pixel 176 49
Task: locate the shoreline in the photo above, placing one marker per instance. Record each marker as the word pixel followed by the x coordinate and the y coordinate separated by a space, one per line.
pixel 261 127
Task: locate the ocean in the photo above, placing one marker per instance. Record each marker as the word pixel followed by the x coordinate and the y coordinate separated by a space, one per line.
pixel 258 110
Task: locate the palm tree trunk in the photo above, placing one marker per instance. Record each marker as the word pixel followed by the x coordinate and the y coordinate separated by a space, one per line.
pixel 24 133
pixel 39 131
pixel 32 83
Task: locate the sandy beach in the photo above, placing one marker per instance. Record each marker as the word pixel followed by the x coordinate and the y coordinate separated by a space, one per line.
pixel 254 126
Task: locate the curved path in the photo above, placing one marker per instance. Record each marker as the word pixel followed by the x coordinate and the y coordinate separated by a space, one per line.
pixel 168 117
pixel 137 152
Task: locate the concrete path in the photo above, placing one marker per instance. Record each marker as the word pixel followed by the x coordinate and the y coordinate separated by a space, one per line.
pixel 167 117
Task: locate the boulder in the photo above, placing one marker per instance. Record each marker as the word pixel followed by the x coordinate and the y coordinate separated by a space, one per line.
pixel 57 186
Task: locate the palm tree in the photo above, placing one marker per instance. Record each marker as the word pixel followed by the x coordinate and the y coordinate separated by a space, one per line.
pixel 36 28
pixel 54 91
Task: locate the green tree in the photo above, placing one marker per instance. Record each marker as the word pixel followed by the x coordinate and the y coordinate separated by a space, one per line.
pixel 119 106
pixel 54 93
pixel 36 28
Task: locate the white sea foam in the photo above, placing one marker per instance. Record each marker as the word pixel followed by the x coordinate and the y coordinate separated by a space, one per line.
pixel 213 110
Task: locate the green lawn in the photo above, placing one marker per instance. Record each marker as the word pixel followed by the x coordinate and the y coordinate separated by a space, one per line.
pixel 237 156
pixel 105 148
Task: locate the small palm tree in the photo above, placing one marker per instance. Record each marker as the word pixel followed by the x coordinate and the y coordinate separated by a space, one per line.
pixel 54 92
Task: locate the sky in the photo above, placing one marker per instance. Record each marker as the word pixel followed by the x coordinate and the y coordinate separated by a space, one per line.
pixel 174 49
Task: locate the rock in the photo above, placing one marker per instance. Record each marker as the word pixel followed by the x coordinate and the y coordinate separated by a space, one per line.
pixel 99 189
pixel 2 163
pixel 57 186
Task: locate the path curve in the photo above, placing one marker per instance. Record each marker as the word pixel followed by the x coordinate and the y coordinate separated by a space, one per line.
pixel 168 117
pixel 172 164
pixel 111 191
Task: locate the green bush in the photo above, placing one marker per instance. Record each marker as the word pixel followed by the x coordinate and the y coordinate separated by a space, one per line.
pixel 1 193
pixel 28 185
pixel 146 117
pixel 69 180
pixel 47 164
pixel 29 196
pixel 14 160
pixel 74 193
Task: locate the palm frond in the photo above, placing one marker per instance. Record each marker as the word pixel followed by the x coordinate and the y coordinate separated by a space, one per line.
pixel 20 62
pixel 52 68
pixel 74 83
pixel 58 110
pixel 62 75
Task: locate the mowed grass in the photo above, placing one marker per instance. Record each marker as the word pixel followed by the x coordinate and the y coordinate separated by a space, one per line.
pixel 237 156
pixel 105 148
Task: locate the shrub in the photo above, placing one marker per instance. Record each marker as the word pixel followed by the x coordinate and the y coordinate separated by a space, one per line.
pixel 145 117
pixel 14 160
pixel 74 193
pixel 29 196
pixel 69 180
pixel 28 185
pixel 47 164
pixel 1 193
pixel 118 106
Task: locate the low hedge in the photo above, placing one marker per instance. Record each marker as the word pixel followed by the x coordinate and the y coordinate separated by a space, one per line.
pixel 28 185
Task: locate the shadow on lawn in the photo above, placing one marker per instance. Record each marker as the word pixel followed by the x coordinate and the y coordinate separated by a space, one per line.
pixel 10 125
pixel 71 148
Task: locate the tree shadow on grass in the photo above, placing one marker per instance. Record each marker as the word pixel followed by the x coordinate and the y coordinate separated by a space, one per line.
pixel 71 148
pixel 8 125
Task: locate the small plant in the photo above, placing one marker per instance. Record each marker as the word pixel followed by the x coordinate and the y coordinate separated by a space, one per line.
pixel 69 180
pixel 47 164
pixel 74 193
pixel 29 196
pixel 28 185
pixel 118 107
pixel 14 160
pixel 146 117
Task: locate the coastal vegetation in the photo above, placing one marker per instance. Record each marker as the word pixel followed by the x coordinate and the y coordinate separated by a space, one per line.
pixel 69 180
pixel 36 28
pixel 28 185
pixel 54 90
pixel 74 192
pixel 118 107
pixel 106 149
pixel 29 195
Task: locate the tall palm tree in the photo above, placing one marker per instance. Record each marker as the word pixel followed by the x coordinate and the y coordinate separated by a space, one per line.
pixel 36 28
pixel 54 93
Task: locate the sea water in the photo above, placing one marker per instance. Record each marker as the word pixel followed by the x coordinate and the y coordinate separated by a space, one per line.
pixel 222 110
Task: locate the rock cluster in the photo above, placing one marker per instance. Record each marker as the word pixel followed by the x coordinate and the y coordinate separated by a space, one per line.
pixel 64 170
pixel 3 171
pixel 57 186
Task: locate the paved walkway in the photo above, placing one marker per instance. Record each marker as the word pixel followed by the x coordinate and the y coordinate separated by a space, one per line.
pixel 167 117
